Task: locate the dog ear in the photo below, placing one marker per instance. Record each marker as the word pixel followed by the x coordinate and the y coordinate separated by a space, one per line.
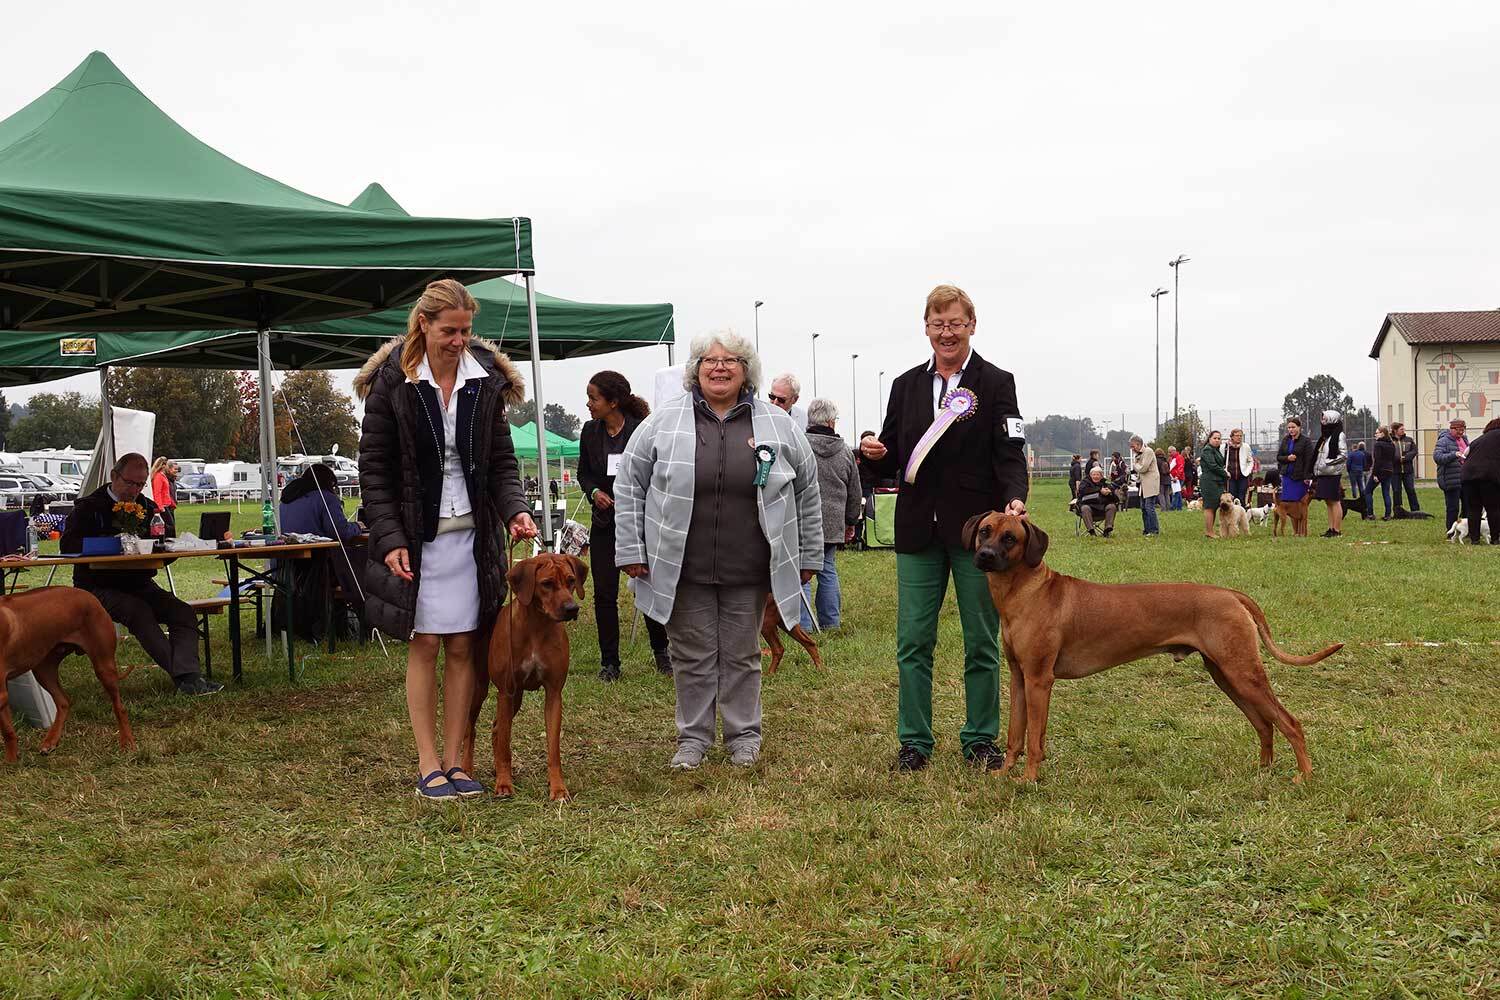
pixel 522 580
pixel 971 529
pixel 1036 545
pixel 580 574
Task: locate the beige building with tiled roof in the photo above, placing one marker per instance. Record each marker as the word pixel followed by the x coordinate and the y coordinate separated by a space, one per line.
pixel 1437 366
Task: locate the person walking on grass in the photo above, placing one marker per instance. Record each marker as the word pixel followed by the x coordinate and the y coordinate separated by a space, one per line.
pixel 615 413
pixel 441 490
pixel 716 503
pixel 1449 456
pixel 1481 482
pixel 1215 482
pixel 954 435
pixel 1148 472
pixel 1383 466
pixel 1331 455
pixel 838 485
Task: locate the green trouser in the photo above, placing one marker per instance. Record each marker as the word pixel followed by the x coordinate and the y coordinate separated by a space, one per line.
pixel 921 585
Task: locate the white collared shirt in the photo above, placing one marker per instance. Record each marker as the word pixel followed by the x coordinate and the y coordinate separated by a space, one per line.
pixel 938 390
pixel 455 499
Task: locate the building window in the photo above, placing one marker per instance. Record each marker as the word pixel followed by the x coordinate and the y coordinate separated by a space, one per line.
pixel 1401 412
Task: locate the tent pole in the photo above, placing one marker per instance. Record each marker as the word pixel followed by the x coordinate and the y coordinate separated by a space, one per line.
pixel 267 424
pixel 541 434
pixel 670 356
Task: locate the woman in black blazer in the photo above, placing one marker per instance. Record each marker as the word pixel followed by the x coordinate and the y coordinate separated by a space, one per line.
pixel 616 414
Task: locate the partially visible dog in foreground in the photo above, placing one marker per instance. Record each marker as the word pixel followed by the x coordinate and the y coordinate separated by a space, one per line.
pixel 1294 514
pixel 37 630
pixel 771 626
pixel 1459 533
pixel 1233 520
pixel 1260 514
pixel 528 649
pixel 1058 626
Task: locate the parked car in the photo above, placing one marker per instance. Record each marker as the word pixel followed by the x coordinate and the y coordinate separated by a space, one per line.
pixel 197 487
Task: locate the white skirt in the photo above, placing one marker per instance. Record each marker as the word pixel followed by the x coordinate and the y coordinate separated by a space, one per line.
pixel 448 589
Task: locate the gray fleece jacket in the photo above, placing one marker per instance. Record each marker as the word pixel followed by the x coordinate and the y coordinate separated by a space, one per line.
pixel 838 483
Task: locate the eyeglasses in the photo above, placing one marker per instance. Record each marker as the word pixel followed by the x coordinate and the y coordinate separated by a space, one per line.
pixel 778 400
pixel 944 327
pixel 137 483
pixel 721 362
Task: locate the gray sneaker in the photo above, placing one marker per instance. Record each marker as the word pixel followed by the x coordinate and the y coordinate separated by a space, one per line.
pixel 688 757
pixel 744 756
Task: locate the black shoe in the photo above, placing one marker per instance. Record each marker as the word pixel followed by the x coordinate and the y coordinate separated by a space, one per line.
pixel 1386 517
pixel 609 673
pixel 985 755
pixel 197 684
pixel 910 759
pixel 663 661
pixel 1330 533
pixel 1108 532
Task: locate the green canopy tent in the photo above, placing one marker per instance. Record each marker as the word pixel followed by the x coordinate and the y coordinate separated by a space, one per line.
pixel 117 224
pixel 524 437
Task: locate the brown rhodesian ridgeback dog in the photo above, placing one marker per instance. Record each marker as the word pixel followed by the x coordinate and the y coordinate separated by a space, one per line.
pixel 1294 514
pixel 36 631
pixel 528 650
pixel 770 627
pixel 1058 626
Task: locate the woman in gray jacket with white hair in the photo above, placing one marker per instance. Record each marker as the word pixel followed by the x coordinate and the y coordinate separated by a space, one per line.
pixel 716 502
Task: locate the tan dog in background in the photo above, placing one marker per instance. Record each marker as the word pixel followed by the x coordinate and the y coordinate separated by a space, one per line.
pixel 1294 514
pixel 1233 520
pixel 1059 626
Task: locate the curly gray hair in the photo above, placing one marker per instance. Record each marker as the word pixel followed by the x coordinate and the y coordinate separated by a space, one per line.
pixel 732 342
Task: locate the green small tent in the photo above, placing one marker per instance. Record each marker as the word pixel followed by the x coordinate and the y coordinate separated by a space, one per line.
pixel 524 436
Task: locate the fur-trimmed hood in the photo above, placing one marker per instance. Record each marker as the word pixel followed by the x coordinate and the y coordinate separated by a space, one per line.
pixel 486 352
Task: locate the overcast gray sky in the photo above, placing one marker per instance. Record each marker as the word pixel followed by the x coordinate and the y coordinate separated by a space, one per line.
pixel 1321 165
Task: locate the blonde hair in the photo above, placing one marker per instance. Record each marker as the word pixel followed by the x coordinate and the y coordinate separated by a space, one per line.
pixel 160 465
pixel 943 296
pixel 438 296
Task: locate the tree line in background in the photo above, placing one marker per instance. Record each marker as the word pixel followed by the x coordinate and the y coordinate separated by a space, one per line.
pixel 214 415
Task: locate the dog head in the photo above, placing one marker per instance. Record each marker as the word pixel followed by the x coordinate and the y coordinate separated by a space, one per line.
pixel 1000 542
pixel 549 582
pixel 1227 502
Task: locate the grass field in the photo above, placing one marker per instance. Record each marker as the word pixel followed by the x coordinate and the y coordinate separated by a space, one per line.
pixel 266 841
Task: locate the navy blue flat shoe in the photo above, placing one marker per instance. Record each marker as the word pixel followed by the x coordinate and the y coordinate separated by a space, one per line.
pixel 437 793
pixel 467 787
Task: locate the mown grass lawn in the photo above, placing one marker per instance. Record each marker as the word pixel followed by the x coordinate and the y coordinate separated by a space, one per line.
pixel 266 842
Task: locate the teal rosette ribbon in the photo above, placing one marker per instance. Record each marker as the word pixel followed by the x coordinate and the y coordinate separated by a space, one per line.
pixel 765 457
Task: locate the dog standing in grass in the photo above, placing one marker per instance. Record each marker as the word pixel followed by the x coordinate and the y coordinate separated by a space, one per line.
pixel 36 631
pixel 1058 626
pixel 1233 520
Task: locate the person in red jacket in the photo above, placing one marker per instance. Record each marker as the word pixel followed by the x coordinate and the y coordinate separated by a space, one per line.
pixel 164 473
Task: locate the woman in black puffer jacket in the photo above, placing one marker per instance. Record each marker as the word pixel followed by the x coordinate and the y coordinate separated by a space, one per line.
pixel 440 484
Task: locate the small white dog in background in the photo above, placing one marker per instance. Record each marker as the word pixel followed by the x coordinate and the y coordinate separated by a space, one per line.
pixel 1459 533
pixel 1260 514
pixel 1195 504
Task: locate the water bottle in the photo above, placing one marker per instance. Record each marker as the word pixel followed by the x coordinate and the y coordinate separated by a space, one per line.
pixel 31 538
pixel 267 521
pixel 158 526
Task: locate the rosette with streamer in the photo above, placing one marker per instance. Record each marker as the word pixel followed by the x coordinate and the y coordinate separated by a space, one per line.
pixel 765 457
pixel 959 404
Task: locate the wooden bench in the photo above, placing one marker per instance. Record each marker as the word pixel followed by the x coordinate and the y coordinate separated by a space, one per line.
pixel 203 608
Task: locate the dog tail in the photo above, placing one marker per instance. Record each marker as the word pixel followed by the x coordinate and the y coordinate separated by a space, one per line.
pixel 1276 651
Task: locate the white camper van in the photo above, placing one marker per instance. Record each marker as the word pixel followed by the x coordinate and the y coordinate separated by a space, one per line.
pixel 236 478
pixel 70 463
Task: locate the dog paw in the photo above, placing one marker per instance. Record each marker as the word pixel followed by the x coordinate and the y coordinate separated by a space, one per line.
pixel 504 791
pixel 559 794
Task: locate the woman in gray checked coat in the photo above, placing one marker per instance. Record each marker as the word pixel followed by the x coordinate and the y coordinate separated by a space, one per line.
pixel 716 503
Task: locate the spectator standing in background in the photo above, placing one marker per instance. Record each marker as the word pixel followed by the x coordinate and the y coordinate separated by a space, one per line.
pixel 1146 467
pixel 868 478
pixel 1239 463
pixel 164 491
pixel 1383 462
pixel 1119 472
pixel 1295 456
pixel 1330 458
pixel 1406 467
pixel 1176 476
pixel 838 485
pixel 1359 461
pixel 1211 455
pixel 1164 477
pixel 1075 475
pixel 1449 456
pixel 785 390
pixel 1481 482
pixel 1189 475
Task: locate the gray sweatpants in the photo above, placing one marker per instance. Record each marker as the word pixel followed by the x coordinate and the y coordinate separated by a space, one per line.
pixel 714 638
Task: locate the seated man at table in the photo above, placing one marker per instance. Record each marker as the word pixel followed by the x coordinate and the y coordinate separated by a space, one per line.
pixel 131 596
pixel 1097 497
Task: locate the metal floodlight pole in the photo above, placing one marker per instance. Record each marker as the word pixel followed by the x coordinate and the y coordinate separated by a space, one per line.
pixel 1156 417
pixel 815 365
pixel 541 434
pixel 1176 266
pixel 854 386
pixel 758 304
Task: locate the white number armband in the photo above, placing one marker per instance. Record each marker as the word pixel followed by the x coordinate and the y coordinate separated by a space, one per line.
pixel 1015 428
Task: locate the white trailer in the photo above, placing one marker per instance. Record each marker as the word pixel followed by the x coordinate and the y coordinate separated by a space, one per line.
pixel 235 478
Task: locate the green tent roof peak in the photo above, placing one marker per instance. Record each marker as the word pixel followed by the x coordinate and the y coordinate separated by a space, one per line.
pixel 375 198
pixel 97 68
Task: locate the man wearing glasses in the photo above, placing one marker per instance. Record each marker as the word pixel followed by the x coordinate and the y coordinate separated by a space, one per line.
pixel 978 464
pixel 785 391
pixel 131 596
